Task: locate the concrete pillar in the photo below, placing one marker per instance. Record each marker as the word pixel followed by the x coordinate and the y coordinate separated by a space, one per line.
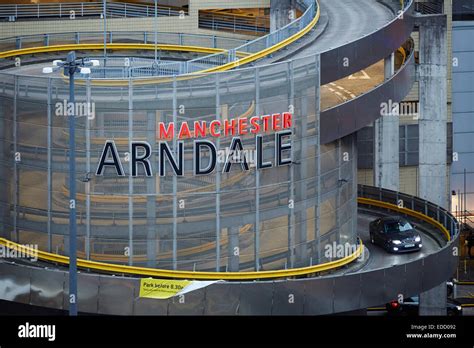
pixel 386 140
pixel 433 302
pixel 281 13
pixel 151 234
pixel 433 139
pixel 234 251
pixel 433 110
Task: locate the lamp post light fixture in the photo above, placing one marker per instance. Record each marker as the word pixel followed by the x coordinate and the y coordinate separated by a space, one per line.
pixel 71 66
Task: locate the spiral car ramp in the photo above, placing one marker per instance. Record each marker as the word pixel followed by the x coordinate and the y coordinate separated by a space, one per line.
pixel 280 220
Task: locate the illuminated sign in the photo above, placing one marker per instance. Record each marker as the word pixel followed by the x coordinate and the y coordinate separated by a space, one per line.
pixel 200 131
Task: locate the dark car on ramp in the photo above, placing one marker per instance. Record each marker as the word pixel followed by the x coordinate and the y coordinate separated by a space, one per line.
pixel 395 234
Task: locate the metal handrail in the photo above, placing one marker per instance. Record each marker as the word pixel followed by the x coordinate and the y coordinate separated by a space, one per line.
pixel 85 9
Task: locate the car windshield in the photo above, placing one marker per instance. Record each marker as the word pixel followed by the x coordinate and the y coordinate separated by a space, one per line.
pixel 397 226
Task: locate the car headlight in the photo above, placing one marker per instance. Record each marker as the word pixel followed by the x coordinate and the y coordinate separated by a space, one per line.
pixel 417 239
pixel 459 308
pixel 396 242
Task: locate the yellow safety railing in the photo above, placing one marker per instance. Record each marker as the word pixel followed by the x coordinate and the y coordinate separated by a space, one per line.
pixel 418 215
pixel 276 274
pixel 245 58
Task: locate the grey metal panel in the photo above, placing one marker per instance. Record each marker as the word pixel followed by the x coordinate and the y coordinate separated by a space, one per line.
pixel 413 274
pixel 256 298
pixel 430 273
pixel 394 281
pixel 87 292
pixel 116 295
pixel 191 303
pixel 372 295
pixel 347 293
pixel 288 297
pixel 222 299
pixel 47 287
pixel 15 283
pixel 149 306
pixel 319 296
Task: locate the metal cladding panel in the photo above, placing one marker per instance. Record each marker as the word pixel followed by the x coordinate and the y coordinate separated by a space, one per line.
pixel 413 274
pixel 453 254
pixel 150 306
pixel 191 303
pixel 47 288
pixel 319 296
pixel 116 295
pixel 394 281
pixel 222 299
pixel 372 293
pixel 445 257
pixel 347 292
pixel 430 275
pixel 368 49
pixel 256 298
pixel 288 298
pixel 15 283
pixel 87 292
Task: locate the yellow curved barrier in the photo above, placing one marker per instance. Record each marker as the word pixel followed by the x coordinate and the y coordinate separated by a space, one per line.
pixel 245 58
pixel 161 273
pixel 114 46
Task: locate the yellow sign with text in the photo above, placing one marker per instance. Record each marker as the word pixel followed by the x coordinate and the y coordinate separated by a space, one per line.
pixel 160 288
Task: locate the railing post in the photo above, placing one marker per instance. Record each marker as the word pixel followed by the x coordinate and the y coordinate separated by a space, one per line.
pixel 181 39
pixel 145 37
pixel 46 40
pixel 214 41
pixel 38 10
pixel 18 42
pixel 426 207
pixel 77 37
pixel 110 35
pixel 125 9
pixel 60 11
pixel 82 9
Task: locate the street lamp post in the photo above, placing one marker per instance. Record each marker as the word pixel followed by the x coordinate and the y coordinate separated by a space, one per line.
pixel 71 66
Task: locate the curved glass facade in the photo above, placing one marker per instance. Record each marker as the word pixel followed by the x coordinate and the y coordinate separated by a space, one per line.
pixel 275 218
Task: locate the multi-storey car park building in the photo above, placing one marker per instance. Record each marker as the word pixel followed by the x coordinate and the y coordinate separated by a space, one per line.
pixel 159 194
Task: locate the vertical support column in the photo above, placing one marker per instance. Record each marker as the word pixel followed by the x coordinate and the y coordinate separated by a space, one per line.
pixel 151 197
pixel 291 215
pixel 87 186
pixel 386 139
pixel 234 250
pixel 218 182
pixel 130 178
pixel 257 181
pixel 433 110
pixel 49 180
pixel 280 14
pixel 301 169
pixel 317 222
pixel 433 130
pixel 175 180
pixel 16 180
